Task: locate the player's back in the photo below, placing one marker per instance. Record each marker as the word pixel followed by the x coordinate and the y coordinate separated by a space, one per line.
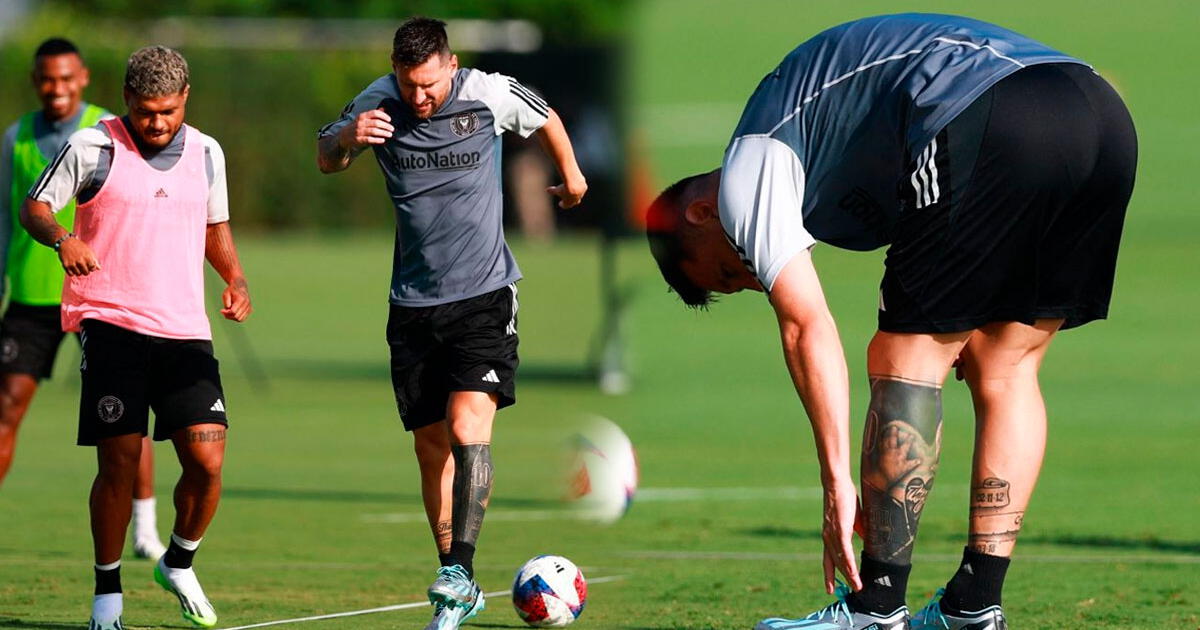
pixel 855 100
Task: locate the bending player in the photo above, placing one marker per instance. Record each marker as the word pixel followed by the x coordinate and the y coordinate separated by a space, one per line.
pixel 152 207
pixel 998 171
pixel 452 328
pixel 32 329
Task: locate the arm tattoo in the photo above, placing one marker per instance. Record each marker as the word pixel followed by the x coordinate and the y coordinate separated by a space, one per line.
pixel 472 489
pixel 222 255
pixel 208 435
pixel 331 157
pixel 901 442
pixel 42 226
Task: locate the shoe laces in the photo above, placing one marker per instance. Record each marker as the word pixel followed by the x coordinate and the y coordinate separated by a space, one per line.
pixel 838 609
pixel 453 572
pixel 933 610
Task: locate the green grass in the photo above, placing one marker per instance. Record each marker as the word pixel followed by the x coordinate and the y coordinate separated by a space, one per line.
pixel 1111 539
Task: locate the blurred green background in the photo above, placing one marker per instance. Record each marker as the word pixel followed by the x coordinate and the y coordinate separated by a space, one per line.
pixel 321 487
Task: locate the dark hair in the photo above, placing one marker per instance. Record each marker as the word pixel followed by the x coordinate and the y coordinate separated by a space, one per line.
pixel 664 228
pixel 418 39
pixel 56 46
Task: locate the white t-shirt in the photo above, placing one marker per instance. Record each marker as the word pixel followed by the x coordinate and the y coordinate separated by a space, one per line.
pixel 761 205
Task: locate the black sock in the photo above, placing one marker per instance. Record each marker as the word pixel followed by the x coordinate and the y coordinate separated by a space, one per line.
pixel 977 584
pixel 177 557
pixel 463 554
pixel 444 559
pixel 108 581
pixel 884 586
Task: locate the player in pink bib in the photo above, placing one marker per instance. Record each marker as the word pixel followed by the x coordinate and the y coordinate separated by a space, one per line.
pixel 151 208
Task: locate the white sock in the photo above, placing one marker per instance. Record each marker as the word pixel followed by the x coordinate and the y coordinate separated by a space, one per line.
pixel 190 545
pixel 145 519
pixel 107 608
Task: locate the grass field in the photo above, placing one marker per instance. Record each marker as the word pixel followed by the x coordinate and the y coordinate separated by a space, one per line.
pixel 321 512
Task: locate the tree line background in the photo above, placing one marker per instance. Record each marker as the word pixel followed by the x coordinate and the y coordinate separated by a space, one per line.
pixel 264 105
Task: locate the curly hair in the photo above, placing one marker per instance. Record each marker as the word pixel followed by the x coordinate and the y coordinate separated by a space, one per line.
pixel 156 71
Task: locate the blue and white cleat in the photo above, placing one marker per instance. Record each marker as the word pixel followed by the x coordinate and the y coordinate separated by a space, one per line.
pixel 453 588
pixel 838 616
pixel 450 617
pixel 932 617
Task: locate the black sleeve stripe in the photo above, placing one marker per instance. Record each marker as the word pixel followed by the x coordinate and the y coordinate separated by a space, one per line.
pixel 44 179
pixel 541 109
pixel 517 86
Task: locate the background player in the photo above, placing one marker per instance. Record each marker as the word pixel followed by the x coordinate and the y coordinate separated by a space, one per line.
pixel 998 170
pixel 452 328
pixel 152 207
pixel 32 328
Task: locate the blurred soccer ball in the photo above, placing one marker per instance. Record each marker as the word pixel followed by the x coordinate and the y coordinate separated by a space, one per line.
pixel 549 592
pixel 604 473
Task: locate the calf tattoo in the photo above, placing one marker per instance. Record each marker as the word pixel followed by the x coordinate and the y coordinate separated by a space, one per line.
pixel 994 525
pixel 442 533
pixel 901 442
pixel 472 489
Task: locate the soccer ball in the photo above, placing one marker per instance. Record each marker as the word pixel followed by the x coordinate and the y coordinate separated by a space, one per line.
pixel 549 592
pixel 604 474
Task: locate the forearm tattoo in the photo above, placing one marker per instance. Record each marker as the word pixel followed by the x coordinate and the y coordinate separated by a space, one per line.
pixel 994 525
pixel 901 442
pixel 331 155
pixel 222 255
pixel 472 489
pixel 442 532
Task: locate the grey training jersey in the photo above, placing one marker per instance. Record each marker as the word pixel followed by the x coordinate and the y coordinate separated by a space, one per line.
pixel 443 175
pixel 830 133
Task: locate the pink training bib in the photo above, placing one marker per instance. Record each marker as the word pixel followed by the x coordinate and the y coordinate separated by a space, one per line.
pixel 147 228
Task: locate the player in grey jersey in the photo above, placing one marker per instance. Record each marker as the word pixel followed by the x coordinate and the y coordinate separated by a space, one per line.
pixel 997 170
pixel 435 129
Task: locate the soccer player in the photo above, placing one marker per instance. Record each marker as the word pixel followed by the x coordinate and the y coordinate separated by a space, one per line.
pixel 998 171
pixel 152 207
pixel 32 328
pixel 452 329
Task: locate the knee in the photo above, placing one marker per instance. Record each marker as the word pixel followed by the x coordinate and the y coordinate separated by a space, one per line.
pixel 204 469
pixel 12 409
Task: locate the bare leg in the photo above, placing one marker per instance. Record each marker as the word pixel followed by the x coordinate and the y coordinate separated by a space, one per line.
pixel 1001 366
pixel 112 494
pixel 901 443
pixel 470 416
pixel 16 392
pixel 201 451
pixel 143 485
pixel 432 445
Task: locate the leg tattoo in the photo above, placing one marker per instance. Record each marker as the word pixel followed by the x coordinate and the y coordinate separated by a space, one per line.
pixel 901 442
pixel 442 535
pixel 472 489
pixel 994 525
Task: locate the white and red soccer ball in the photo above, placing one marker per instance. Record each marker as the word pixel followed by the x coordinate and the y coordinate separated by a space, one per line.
pixel 549 592
pixel 604 476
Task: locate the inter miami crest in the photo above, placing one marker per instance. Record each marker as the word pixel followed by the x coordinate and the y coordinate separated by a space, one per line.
pixel 464 124
pixel 110 409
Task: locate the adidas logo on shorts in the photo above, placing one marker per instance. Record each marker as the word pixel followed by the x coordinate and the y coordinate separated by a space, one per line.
pixel 491 377
pixel 218 406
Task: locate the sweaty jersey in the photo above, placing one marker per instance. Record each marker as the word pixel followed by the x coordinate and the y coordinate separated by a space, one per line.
pixel 826 138
pixel 443 176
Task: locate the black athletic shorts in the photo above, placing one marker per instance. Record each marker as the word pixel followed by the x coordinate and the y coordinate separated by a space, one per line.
pixel 29 339
pixel 1014 212
pixel 126 374
pixel 469 345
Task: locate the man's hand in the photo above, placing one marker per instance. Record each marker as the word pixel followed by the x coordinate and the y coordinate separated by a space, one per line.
pixel 569 193
pixel 77 258
pixel 841 516
pixel 236 300
pixel 370 127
